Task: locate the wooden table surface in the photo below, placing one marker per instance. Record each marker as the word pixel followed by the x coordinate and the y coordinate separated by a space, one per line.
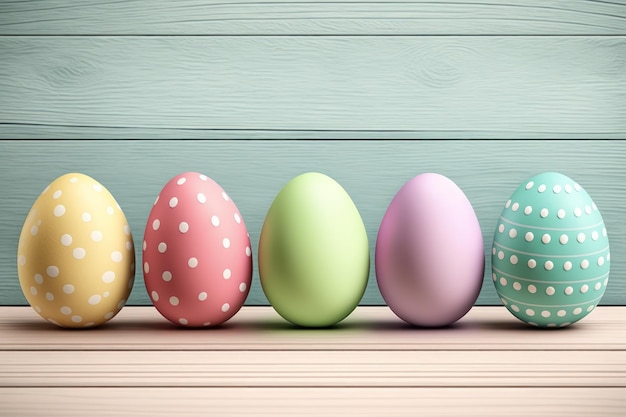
pixel 488 363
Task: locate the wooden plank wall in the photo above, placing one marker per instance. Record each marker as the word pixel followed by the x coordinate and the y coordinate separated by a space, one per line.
pixel 253 93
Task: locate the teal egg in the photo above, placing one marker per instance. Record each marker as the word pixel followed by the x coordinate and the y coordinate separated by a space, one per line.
pixel 550 256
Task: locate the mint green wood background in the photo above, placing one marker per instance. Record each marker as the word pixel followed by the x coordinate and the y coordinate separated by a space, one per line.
pixel 253 93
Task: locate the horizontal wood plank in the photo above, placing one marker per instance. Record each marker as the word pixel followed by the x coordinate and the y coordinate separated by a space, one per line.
pixel 367 329
pixel 417 87
pixel 226 17
pixel 362 402
pixel 253 172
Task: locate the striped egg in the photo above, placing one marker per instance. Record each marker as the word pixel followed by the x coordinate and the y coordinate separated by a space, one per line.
pixel 550 256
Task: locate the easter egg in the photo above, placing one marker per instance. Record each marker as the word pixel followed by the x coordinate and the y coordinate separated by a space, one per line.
pixel 550 255
pixel 430 257
pixel 313 252
pixel 76 259
pixel 197 258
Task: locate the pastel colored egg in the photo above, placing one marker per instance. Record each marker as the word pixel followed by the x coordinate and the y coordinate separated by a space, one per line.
pixel 430 257
pixel 197 258
pixel 76 259
pixel 313 252
pixel 550 255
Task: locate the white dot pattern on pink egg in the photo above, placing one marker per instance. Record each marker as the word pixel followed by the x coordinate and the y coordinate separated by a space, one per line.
pixel 199 255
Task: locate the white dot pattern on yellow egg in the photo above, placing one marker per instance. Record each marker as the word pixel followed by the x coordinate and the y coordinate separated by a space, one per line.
pixel 75 254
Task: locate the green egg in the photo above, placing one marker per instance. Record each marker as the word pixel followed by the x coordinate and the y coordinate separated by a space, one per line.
pixel 313 252
pixel 550 255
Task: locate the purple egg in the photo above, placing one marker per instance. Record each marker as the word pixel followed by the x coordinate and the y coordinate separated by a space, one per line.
pixel 430 258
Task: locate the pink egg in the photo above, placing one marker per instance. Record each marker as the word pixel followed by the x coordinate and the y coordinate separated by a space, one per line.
pixel 197 258
pixel 430 257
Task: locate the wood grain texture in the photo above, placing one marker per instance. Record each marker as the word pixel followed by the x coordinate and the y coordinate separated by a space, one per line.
pixel 253 172
pixel 257 17
pixel 306 401
pixel 420 87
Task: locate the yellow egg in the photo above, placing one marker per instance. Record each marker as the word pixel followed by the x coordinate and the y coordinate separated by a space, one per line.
pixel 75 257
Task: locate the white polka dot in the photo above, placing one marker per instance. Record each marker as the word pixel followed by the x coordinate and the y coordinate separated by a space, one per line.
pixel 587 209
pixel 203 177
pixel 494 277
pixel 96 235
pixel 173 202
pixel 569 291
pixel 183 321
pixel 155 295
pixel 86 217
pixel 116 256
pixel 577 310
pixel 156 200
pixel 584 289
pixel 201 198
pixel 529 236
pixel 550 291
pixel 604 232
pixel 515 308
pixel 144 245
pixel 512 233
pixel 556 189
pixel 548 265
pixel 578 212
pixel 166 276
pixel 530 185
pixel 581 237
pixel 34 230
pixel 110 211
pixel 503 281
pixel 129 245
pixel 97 187
pixel 192 262
pixel 203 296
pixel 563 239
pixel 49 296
pixel 513 259
pixel 545 314
pixel 226 274
pixel 532 289
pixel 507 204
pixel 530 312
pixel 528 210
pixel 183 227
pixel 73 180
pixel 68 288
pixel 584 264
pixel 600 261
pixel 561 313
pixel 79 253
pixel 224 196
pixel 501 228
pixel 77 319
pixel 593 206
pixel 66 240
pixel 33 290
pixel 545 239
pixel 248 251
pixel 541 188
pixel 38 279
pixel 242 287
pixel 568 188
pixel 181 181
pixel 126 230
pixel 65 310
pixel 162 247
pixel 501 255
pixel 608 257
pixel 109 315
pixel 532 263
pixel 52 271
pixel 225 307
pixel 57 194
pixel 94 299
pixel 544 212
pixel 121 303
pixel 597 286
pixel 215 221
pixel 37 309
pixel 146 267
pixel 59 210
pixel 208 323
pixel 174 301
pixel 567 265
pixel 493 250
pixel 590 308
pixel 503 300
pixel 237 218
pixel 515 206
pixel 226 243
pixel 595 235
pixel 156 223
pixel 560 214
pixel 577 186
pixel 517 286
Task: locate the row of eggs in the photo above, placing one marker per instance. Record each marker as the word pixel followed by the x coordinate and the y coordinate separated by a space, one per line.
pixel 550 253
